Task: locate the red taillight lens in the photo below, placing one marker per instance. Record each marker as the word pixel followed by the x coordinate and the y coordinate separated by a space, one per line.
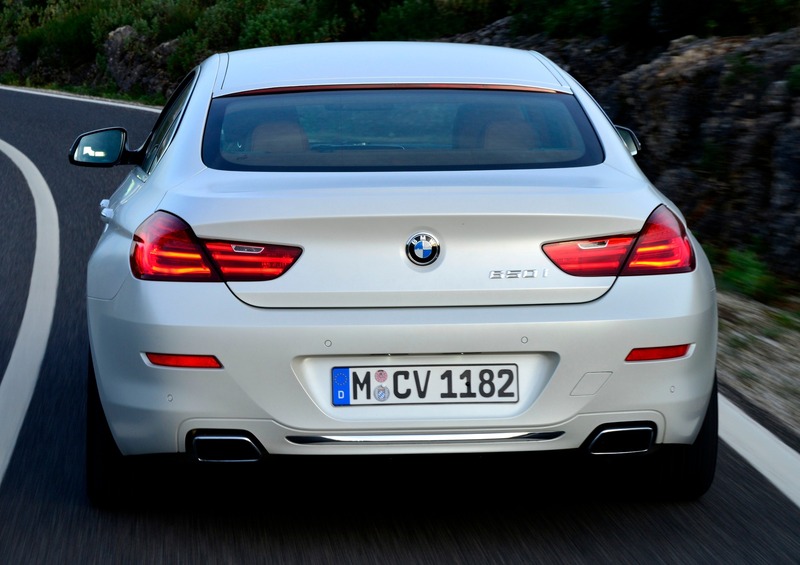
pixel 601 257
pixel 184 361
pixel 661 247
pixel 165 248
pixel 249 262
pixel 658 353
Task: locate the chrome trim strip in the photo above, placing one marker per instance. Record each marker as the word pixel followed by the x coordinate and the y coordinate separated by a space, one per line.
pixel 427 438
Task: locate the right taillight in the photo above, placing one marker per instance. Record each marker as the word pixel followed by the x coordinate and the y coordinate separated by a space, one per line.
pixel 165 249
pixel 661 247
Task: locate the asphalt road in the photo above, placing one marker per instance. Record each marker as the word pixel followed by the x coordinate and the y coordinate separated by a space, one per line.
pixel 501 510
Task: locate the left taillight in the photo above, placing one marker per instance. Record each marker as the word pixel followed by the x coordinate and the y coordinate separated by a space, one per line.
pixel 165 249
pixel 661 247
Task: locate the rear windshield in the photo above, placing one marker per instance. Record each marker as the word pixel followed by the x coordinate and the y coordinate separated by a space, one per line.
pixel 398 129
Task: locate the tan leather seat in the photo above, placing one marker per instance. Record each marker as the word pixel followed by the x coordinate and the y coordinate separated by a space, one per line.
pixel 472 119
pixel 278 136
pixel 508 134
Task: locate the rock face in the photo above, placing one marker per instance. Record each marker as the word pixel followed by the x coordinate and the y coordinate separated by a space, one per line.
pixel 719 120
pixel 134 66
pixel 722 128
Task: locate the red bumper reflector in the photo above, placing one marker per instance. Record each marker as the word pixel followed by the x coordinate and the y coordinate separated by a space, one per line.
pixel 184 361
pixel 658 353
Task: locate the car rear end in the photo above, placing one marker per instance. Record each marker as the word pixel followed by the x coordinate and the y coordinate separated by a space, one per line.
pixel 430 290
pixel 355 301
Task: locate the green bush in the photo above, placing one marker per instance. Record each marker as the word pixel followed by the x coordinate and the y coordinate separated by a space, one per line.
pixel 653 21
pixel 624 21
pixel 217 28
pixel 222 27
pixel 793 80
pixel 569 18
pixel 431 19
pixel 159 20
pixel 413 19
pixel 190 50
pixel 285 22
pixel 744 272
pixel 358 17
pixel 741 71
pixel 629 21
pixel 765 16
pixel 61 42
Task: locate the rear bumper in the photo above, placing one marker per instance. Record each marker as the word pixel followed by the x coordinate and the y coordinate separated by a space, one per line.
pixel 275 383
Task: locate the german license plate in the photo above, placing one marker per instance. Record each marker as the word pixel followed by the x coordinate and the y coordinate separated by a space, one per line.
pixel 437 384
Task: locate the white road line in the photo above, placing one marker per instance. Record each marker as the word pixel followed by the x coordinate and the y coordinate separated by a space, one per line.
pixel 92 99
pixel 22 372
pixel 779 463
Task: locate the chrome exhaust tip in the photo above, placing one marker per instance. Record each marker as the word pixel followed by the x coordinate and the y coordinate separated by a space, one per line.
pixel 622 439
pixel 223 446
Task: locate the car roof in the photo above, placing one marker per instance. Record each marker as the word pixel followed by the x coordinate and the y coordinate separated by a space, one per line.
pixel 378 63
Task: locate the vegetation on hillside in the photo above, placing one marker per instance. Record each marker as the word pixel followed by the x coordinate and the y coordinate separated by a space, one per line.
pixel 68 34
pixel 649 21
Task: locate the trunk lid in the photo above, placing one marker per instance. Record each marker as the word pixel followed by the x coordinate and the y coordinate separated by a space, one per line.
pixel 354 229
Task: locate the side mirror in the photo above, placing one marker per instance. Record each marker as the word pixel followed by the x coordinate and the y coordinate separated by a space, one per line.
pixel 629 139
pixel 99 148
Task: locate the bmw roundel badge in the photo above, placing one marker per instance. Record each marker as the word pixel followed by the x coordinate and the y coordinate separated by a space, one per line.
pixel 422 249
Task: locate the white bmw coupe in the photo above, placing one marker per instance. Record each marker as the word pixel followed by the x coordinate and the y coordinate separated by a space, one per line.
pixel 393 248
